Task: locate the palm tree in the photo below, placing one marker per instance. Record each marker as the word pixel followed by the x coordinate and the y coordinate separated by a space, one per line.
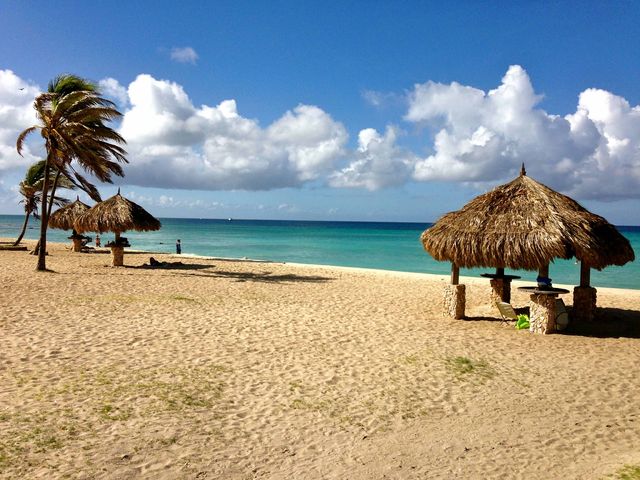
pixel 72 116
pixel 31 191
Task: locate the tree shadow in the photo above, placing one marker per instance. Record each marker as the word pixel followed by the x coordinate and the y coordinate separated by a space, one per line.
pixel 267 277
pixel 11 248
pixel 608 323
pixel 180 268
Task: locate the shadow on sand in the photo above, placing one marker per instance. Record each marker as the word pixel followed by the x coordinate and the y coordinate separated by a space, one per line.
pixel 269 278
pixel 265 277
pixel 609 323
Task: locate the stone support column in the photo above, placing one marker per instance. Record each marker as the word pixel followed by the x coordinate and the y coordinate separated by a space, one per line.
pixel 500 290
pixel 584 304
pixel 77 244
pixel 117 256
pixel 454 301
pixel 542 313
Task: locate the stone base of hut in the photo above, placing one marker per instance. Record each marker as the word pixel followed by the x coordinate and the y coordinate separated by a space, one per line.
pixel 77 244
pixel 542 312
pixel 117 256
pixel 454 301
pixel 584 304
pixel 500 291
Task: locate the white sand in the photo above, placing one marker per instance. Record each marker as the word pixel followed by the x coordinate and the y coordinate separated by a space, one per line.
pixel 241 370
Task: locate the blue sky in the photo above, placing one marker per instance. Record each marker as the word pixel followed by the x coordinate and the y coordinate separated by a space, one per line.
pixel 397 111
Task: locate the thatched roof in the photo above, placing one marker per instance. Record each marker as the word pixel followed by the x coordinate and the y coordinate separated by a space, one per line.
pixel 64 218
pixel 525 225
pixel 116 214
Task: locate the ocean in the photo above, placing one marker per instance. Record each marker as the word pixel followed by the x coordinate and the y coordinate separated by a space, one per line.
pixel 380 245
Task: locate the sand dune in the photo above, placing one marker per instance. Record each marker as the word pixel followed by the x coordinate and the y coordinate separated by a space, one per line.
pixel 242 370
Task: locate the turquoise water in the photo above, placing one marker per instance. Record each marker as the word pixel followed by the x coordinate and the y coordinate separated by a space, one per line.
pixel 387 246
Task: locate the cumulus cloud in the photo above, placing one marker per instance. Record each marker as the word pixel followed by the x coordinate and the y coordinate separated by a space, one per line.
pixel 172 143
pixel 16 114
pixel 110 87
pixel 184 55
pixel 470 136
pixel 378 162
pixel 168 201
pixel 9 195
pixel 480 137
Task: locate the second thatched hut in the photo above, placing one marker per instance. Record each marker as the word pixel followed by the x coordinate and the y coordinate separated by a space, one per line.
pixel 117 215
pixel 65 218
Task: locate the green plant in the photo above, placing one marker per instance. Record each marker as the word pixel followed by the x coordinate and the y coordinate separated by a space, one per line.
pixel 522 322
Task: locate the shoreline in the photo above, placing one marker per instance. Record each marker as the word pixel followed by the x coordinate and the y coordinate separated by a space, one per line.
pixel 380 271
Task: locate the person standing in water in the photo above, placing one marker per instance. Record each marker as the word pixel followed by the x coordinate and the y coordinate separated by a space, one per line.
pixel 178 247
pixel 97 239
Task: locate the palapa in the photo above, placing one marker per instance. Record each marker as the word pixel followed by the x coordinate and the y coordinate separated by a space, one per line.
pixel 116 214
pixel 64 218
pixel 525 225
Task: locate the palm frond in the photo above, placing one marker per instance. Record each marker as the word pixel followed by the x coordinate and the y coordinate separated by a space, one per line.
pixel 67 83
pixel 86 186
pixel 23 135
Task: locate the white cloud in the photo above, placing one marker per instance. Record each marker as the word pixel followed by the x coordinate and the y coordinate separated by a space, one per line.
pixel 174 144
pixel 484 137
pixel 184 55
pixel 16 114
pixel 382 99
pixel 168 201
pixel 471 136
pixel 110 87
pixel 378 162
pixel 9 195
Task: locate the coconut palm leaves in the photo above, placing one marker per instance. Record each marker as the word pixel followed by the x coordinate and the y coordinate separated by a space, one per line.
pixel 31 191
pixel 72 117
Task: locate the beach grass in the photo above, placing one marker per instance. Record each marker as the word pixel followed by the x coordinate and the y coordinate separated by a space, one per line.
pixel 110 394
pixel 628 472
pixel 465 368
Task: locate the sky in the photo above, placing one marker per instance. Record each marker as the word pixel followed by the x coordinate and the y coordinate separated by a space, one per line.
pixel 334 110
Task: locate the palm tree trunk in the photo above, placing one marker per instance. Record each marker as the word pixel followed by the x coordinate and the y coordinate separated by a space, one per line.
pixel 36 249
pixel 42 252
pixel 24 229
pixel 53 192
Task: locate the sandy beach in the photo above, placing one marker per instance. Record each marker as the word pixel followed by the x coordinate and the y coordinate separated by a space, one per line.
pixel 224 369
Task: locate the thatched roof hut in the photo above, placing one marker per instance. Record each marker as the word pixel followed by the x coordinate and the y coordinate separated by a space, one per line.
pixel 525 225
pixel 64 218
pixel 116 214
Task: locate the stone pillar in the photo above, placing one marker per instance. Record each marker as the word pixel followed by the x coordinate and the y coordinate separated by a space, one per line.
pixel 454 301
pixel 117 256
pixel 77 244
pixel 542 313
pixel 500 290
pixel 584 304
